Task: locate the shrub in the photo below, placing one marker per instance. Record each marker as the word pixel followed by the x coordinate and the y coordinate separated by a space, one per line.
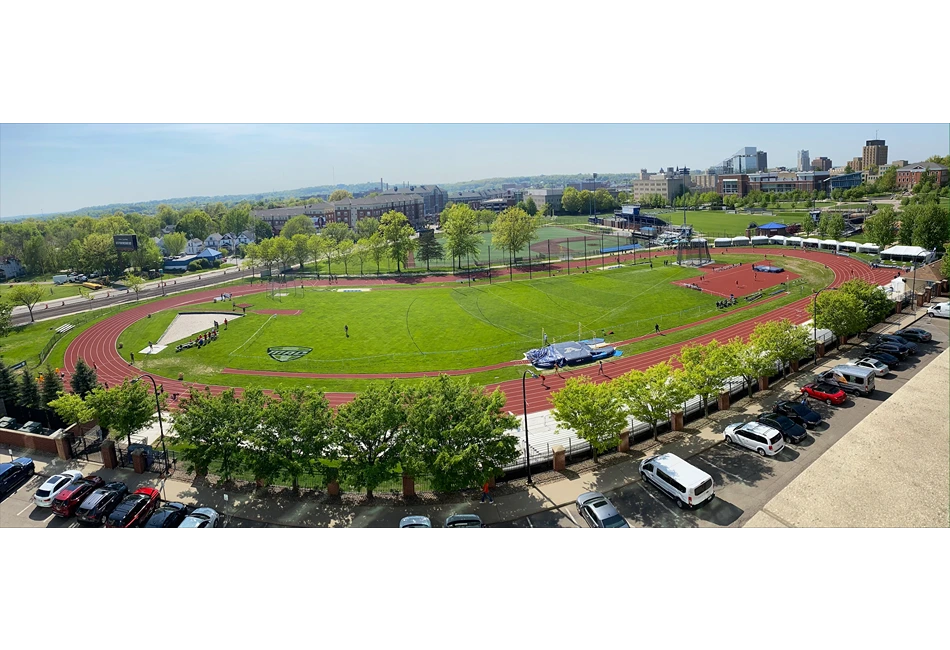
pixel 194 265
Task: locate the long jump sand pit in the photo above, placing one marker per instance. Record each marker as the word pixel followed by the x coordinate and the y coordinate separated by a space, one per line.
pixel 190 323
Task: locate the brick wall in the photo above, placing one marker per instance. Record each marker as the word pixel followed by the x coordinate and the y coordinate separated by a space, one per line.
pixel 27 441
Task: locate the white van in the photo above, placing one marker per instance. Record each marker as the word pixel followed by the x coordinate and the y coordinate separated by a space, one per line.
pixel 851 379
pixel 940 310
pixel 685 483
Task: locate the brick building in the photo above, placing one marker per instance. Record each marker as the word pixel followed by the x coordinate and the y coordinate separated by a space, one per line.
pixel 434 198
pixel 821 164
pixel 910 175
pixel 741 184
pixel 348 211
pixel 873 154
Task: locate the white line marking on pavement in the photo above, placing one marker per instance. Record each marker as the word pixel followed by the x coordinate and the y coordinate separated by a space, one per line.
pixel 735 476
pixel 657 499
pixel 530 525
pixel 568 513
pixel 28 506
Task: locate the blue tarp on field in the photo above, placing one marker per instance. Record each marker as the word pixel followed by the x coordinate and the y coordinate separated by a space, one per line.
pixel 768 269
pixel 568 353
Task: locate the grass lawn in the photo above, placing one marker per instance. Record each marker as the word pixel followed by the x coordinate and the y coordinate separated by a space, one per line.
pixel 436 328
pixel 50 291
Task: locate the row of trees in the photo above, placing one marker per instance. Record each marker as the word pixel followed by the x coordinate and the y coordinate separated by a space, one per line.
pixel 921 224
pixel 852 308
pixel 37 392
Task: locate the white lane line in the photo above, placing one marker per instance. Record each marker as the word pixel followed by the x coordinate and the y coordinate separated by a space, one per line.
pixel 735 476
pixel 657 499
pixel 28 506
pixel 568 513
pixel 530 525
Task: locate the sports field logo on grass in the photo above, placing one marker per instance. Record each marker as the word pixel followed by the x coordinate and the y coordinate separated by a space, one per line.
pixel 287 352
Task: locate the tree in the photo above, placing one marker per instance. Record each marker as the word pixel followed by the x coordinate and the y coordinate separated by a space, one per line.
pixel 175 243
pixel 52 387
pixel 339 195
pixel 705 368
pixel 377 249
pixel 593 410
pixel 429 248
pixel 123 409
pixel 571 201
pixel 98 253
pixel 301 422
pixel 652 394
pixel 299 225
pixel 847 169
pixel 284 250
pixel 530 206
pixel 72 409
pixel 302 252
pixel 260 445
pixel 195 224
pixel 262 229
pixel 548 210
pixel 839 312
pixel 460 225
pixel 345 253
pixel 513 230
pixel 148 256
pixel 749 361
pixel 366 227
pixel 485 218
pixel 875 305
pixel 37 256
pixel 905 235
pixel 888 180
pixel 327 248
pixel 881 227
pixel 368 434
pixel 783 340
pixel 83 379
pixel 27 295
pixel 396 231
pixel 318 244
pixel 210 429
pixel 133 282
pixel 456 433
pixel 337 231
pixel 9 391
pixel 29 393
pixel 6 318
pixel 931 226
pixel 362 252
pixel 835 225
pixel 603 201
pixel 237 219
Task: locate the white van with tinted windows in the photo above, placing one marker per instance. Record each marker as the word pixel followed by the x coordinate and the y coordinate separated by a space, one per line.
pixel 851 379
pixel 685 483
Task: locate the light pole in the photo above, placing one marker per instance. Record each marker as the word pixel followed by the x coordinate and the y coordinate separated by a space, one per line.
pixel 913 288
pixel 527 445
pixel 158 408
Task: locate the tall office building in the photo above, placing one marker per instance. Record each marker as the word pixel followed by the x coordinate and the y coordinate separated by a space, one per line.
pixel 747 160
pixel 821 164
pixel 873 154
pixel 804 161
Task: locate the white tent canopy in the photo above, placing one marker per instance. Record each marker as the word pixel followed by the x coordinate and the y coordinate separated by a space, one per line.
pixel 723 242
pixel 740 240
pixel 868 248
pixel 848 246
pixel 830 244
pixel 793 241
pixel 777 239
pixel 811 242
pixel 907 254
pixel 760 239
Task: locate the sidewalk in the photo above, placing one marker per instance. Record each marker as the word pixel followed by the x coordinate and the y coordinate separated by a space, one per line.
pixel 317 509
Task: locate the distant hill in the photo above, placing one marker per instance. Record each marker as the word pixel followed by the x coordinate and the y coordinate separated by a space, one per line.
pixel 322 191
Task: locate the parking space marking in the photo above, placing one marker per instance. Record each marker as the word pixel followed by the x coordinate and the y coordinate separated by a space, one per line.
pixel 568 513
pixel 530 525
pixel 735 476
pixel 28 506
pixel 657 499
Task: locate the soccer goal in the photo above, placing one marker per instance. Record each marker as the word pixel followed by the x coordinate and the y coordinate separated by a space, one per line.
pixel 694 252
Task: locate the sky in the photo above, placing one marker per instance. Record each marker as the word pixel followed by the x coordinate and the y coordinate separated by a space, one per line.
pixel 48 168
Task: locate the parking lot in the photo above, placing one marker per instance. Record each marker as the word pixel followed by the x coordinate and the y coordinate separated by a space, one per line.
pixel 745 481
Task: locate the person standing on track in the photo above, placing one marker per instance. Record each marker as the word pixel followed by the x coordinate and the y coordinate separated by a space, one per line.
pixel 131 358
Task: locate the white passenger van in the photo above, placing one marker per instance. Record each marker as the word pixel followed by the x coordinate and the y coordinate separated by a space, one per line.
pixel 685 483
pixel 940 310
pixel 851 379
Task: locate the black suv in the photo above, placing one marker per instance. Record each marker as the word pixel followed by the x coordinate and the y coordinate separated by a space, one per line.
pixel 791 431
pixel 98 505
pixel 15 473
pixel 797 412
pixel 168 516
pixel 898 341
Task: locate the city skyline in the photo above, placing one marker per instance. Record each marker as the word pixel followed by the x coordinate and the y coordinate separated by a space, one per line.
pixel 65 167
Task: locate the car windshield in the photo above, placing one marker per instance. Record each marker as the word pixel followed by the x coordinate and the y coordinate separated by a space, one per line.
pixel 784 422
pixel 775 438
pixel 616 521
pixel 199 515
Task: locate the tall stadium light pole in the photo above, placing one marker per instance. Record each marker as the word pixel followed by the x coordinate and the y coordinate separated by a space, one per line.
pixel 913 289
pixel 527 445
pixel 158 408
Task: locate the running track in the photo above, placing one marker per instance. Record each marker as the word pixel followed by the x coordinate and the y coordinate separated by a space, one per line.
pixel 98 343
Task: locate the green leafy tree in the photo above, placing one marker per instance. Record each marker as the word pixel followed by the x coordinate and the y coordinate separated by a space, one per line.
pixel 301 423
pixel 531 207
pixel 123 409
pixel 37 255
pixel 52 387
pixel 260 444
pixel 211 431
pixel 98 253
pixel 460 225
pixel 875 305
pixel 571 201
pixel 27 295
pixel 363 252
pixel 345 253
pixel 705 368
pixel 429 248
pixel 284 250
pixel 369 434
pixel 931 226
pixel 262 229
pixel 175 243
pixel 750 360
pixel 881 227
pixel 196 224
pixel 338 232
pixel 237 219
pixel 377 249
pixel 888 180
pixel 339 195
pixel 456 433
pixel 148 256
pixel 512 231
pixel 302 252
pixel 318 245
pixel 840 312
pixel 905 235
pixel 299 225
pixel 397 233
pixel 72 409
pixel 366 227
pixel 6 317
pixel 83 379
pixel 485 218
pixel 134 283
pixel 603 201
pixel 29 393
pixel 652 394
pixel 9 390
pixel 593 410
pixel 784 341
pixel 835 226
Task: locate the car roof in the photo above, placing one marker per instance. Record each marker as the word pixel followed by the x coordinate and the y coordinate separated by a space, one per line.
pixel 22 461
pixel 415 520
pixel 676 467
pixel 462 518
pixel 146 491
pixel 589 496
pixel 207 512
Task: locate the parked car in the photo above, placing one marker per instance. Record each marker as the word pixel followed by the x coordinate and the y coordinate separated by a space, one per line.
pixel 464 521
pixel 99 505
pixel 134 510
pixel 940 310
pixel 54 485
pixel 687 484
pixel 825 393
pixel 762 439
pixel 887 359
pixel 170 515
pixel 879 367
pixel 70 498
pixel 32 427
pixel 202 518
pixel 889 348
pixel 415 521
pixel 853 380
pixel 798 412
pixel 791 431
pixel 8 423
pixel 914 334
pixel 599 512
pixel 15 473
pixel 899 341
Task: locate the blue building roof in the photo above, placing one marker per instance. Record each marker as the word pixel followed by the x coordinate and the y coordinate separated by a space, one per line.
pixel 771 226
